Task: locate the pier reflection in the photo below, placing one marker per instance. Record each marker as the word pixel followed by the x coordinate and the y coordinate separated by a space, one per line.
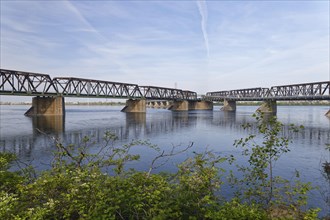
pixel 49 124
pixel 309 135
pixel 143 126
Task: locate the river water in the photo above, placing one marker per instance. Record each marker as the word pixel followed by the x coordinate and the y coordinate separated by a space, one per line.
pixel 212 130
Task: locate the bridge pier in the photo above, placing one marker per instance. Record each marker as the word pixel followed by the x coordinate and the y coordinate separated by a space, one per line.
pixel 200 105
pixel 268 106
pixel 179 106
pixel 158 104
pixel 136 105
pixel 46 106
pixel 229 105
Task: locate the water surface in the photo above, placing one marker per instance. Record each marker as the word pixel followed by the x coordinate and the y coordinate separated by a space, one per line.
pixel 213 130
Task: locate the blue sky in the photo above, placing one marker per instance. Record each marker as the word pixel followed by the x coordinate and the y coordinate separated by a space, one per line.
pixel 197 45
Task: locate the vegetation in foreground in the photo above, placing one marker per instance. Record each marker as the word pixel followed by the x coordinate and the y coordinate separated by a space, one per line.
pixel 85 185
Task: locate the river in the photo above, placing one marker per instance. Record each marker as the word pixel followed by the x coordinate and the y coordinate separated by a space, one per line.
pixel 212 130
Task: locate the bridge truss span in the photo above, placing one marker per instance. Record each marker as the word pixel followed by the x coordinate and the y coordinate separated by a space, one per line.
pixel 14 82
pixel 75 87
pixel 239 94
pixel 161 93
pixel 308 91
pixel 304 91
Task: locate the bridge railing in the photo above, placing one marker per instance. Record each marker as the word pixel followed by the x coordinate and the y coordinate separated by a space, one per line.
pixel 25 83
pixel 69 86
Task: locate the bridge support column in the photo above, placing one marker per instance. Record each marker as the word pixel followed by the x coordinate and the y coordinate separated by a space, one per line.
pixel 152 104
pixel 268 107
pixel 200 105
pixel 229 106
pixel 328 114
pixel 135 106
pixel 46 106
pixel 179 106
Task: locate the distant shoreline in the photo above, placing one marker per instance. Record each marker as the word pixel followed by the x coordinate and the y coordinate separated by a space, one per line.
pixel 279 103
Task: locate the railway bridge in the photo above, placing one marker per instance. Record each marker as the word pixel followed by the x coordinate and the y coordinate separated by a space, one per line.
pixel 269 96
pixel 49 93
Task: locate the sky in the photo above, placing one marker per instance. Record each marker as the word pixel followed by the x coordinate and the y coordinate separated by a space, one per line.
pixel 201 46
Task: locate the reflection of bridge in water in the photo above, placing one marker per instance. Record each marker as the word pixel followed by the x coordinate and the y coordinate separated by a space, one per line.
pixel 136 126
pixel 307 134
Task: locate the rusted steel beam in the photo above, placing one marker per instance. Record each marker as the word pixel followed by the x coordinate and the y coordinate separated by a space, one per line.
pixel 13 82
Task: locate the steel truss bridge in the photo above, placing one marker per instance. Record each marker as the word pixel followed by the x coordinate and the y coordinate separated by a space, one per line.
pixel 305 91
pixel 14 82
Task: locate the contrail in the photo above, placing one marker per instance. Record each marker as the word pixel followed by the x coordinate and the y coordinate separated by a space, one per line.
pixel 201 4
pixel 82 19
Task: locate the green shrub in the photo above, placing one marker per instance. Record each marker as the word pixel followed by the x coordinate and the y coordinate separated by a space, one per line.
pixel 77 186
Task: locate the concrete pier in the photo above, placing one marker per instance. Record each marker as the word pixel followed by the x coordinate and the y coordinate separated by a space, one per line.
pixel 46 106
pixel 229 105
pixel 200 105
pixel 158 104
pixel 137 105
pixel 179 106
pixel 268 107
